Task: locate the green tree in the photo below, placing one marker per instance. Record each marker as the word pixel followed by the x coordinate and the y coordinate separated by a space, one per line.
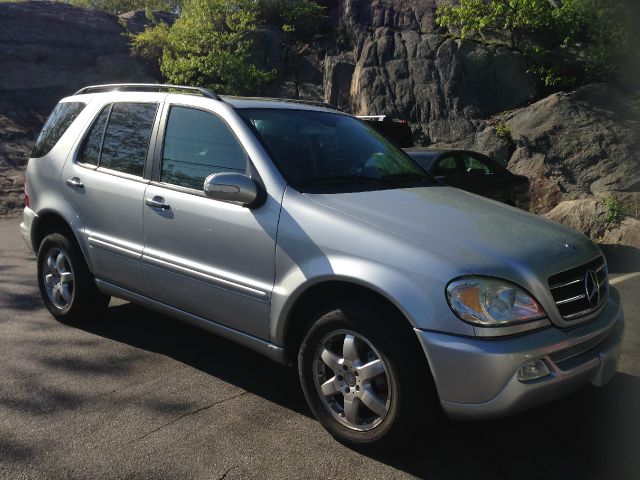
pixel 208 46
pixel 606 34
pixel 150 44
pixel 515 17
pixel 599 34
pixel 302 17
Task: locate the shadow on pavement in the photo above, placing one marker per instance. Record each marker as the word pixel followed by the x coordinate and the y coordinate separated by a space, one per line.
pixel 154 332
pixel 591 434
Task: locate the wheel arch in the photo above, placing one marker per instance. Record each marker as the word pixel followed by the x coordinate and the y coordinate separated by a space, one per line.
pixel 310 302
pixel 53 221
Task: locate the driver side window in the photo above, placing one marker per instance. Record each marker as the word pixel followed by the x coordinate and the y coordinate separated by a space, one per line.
pixel 197 144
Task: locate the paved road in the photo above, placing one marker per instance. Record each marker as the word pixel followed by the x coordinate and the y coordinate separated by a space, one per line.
pixel 137 395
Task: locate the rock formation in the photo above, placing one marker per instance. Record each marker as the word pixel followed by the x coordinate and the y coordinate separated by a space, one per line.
pixel 47 51
pixel 380 57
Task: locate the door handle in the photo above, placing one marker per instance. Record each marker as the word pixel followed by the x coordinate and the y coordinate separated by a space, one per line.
pixel 157 202
pixel 75 183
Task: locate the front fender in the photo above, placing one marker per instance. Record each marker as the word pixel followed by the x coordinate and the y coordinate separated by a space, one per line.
pixel 317 245
pixel 421 302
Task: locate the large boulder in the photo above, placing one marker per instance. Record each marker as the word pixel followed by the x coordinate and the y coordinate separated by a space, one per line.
pixel 587 142
pixel 593 217
pixel 47 51
pixel 136 21
pixel 570 145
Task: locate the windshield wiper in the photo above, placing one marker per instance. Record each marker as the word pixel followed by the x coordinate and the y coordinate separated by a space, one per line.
pixel 346 179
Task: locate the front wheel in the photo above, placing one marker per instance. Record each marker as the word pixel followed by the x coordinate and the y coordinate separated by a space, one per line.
pixel 365 377
pixel 66 285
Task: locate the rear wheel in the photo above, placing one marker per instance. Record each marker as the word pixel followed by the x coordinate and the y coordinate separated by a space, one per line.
pixel 67 286
pixel 365 378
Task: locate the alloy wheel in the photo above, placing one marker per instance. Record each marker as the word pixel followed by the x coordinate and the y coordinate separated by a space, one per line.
pixel 58 278
pixel 352 380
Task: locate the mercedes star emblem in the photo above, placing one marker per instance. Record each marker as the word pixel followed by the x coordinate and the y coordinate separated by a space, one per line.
pixel 592 288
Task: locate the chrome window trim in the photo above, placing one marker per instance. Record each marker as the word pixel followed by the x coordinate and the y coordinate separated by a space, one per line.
pixel 156 174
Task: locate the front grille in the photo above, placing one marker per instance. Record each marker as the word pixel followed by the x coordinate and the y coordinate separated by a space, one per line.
pixel 569 289
pixel 575 350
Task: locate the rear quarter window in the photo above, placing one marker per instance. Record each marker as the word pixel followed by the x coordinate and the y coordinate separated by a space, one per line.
pixel 60 119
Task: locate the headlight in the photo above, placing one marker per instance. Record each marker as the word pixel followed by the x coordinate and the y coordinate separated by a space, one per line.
pixel 490 302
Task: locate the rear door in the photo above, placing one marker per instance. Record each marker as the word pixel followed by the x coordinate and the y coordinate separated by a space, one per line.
pixel 105 184
pixel 206 257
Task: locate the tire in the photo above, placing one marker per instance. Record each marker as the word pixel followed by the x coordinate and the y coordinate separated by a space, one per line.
pixel 66 285
pixel 403 384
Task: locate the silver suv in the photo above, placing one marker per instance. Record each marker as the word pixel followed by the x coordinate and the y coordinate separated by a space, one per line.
pixel 300 232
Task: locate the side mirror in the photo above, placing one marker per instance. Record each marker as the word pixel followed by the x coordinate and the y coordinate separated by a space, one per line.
pixel 231 187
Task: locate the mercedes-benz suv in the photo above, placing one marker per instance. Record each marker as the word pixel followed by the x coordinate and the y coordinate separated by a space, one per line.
pixel 302 233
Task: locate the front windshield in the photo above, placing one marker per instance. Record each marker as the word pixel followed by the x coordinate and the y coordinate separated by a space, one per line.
pixel 318 149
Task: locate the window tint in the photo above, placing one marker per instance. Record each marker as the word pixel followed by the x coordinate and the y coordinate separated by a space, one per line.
pixel 90 153
pixel 197 144
pixel 60 119
pixel 323 149
pixel 446 167
pixel 127 137
pixel 474 166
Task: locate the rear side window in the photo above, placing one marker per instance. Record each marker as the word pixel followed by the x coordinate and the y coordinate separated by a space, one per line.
pixel 197 144
pixel 60 119
pixel 91 150
pixel 126 139
pixel 474 166
pixel 446 166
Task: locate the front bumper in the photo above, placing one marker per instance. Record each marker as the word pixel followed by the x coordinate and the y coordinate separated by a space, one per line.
pixel 28 216
pixel 476 378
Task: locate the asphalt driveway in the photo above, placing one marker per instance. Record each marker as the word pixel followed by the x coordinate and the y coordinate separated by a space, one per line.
pixel 134 394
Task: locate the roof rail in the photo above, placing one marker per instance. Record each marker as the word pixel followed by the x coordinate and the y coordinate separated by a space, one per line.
pixel 309 102
pixel 146 87
pixel 314 103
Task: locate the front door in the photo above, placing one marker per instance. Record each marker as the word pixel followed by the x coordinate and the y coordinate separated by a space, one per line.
pixel 206 257
pixel 105 186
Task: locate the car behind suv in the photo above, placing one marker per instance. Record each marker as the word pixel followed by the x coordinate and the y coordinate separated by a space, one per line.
pixel 475 173
pixel 302 233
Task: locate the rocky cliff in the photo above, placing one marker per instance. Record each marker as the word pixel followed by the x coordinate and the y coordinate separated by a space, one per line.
pixel 380 57
pixel 47 51
pixel 389 57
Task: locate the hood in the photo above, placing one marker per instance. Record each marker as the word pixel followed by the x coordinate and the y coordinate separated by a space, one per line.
pixel 485 236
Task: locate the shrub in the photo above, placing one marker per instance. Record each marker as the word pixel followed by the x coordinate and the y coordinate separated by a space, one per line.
pixel 208 46
pixel 599 34
pixel 503 131
pixel 302 17
pixel 614 211
pixel 150 44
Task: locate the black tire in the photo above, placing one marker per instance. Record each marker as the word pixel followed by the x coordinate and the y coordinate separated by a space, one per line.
pixel 86 301
pixel 411 399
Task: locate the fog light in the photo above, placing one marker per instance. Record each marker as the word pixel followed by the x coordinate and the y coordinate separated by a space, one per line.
pixel 532 371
